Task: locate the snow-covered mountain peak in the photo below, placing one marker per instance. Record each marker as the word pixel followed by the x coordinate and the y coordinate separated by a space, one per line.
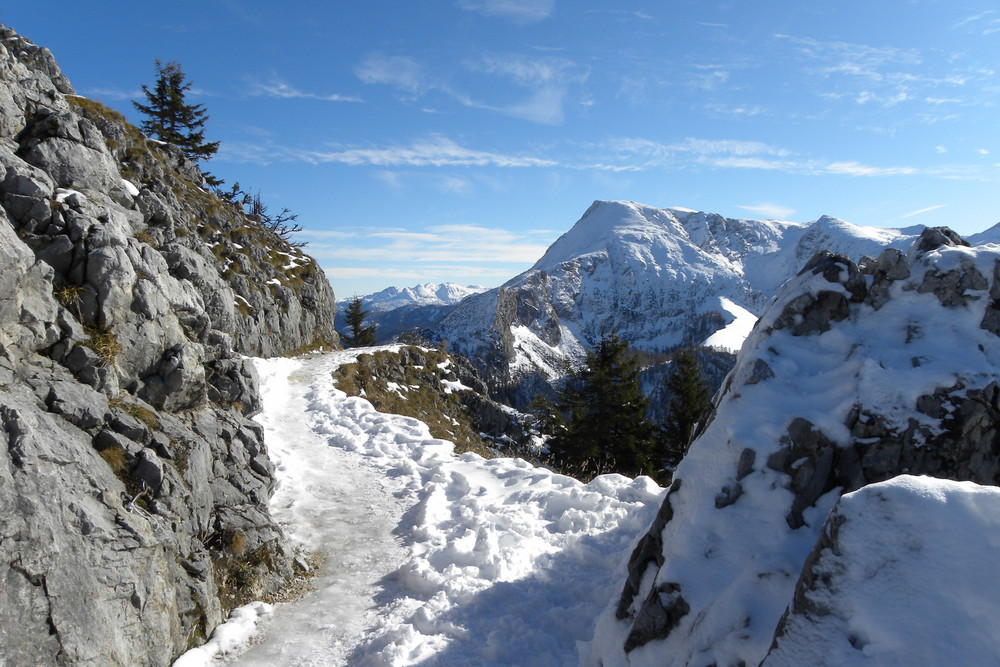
pixel 608 223
pixel 657 276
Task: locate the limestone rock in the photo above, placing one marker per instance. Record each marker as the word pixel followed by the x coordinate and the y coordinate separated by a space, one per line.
pixel 124 398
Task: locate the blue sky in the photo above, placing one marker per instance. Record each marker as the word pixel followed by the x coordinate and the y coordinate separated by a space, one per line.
pixel 456 139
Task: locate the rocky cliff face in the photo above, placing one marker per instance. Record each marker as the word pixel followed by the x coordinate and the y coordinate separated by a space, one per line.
pixel 852 376
pixel 660 277
pixel 134 486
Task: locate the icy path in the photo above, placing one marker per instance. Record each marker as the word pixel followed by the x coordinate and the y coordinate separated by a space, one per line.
pixel 431 558
pixel 330 499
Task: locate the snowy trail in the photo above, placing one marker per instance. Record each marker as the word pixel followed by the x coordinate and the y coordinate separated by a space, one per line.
pixel 432 558
pixel 332 500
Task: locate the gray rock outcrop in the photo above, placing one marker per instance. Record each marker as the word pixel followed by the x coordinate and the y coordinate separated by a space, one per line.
pixel 134 484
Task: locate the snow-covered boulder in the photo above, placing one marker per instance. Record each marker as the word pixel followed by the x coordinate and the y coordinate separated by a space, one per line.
pixel 904 573
pixel 851 376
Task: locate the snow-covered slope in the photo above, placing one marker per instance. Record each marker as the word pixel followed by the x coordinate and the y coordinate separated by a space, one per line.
pixel 660 277
pixel 849 378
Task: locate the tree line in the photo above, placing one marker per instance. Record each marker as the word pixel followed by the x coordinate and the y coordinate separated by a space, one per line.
pixel 170 118
pixel 598 421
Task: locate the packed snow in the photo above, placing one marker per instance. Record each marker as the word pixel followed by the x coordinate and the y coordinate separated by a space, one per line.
pixel 432 558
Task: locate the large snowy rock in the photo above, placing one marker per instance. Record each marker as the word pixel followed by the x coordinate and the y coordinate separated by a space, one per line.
pixel 904 573
pixel 851 376
pixel 660 277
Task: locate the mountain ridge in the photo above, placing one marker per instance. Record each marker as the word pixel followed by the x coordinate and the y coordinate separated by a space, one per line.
pixel 648 273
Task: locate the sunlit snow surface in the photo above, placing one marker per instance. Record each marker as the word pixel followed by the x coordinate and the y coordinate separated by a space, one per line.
pixel 431 558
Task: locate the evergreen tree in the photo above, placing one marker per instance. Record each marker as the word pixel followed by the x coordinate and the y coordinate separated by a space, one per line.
pixel 600 422
pixel 361 336
pixel 689 401
pixel 169 118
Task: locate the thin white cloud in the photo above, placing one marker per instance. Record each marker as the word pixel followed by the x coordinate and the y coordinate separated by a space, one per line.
pixel 923 210
pixel 858 169
pixel 114 94
pixel 770 210
pixel 985 23
pixel 434 151
pixel 391 178
pixel 548 80
pixel 279 89
pixel 982 151
pixel 401 71
pixel 445 245
pixel 518 11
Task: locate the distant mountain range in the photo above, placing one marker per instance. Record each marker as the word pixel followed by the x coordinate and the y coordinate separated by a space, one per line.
pixel 396 310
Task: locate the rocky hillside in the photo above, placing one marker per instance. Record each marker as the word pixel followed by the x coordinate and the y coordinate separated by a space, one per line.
pixel 134 486
pixel 440 390
pixel 660 277
pixel 855 374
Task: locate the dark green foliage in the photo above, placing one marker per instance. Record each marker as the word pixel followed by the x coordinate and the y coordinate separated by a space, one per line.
pixel 599 422
pixel 169 118
pixel 689 401
pixel 361 336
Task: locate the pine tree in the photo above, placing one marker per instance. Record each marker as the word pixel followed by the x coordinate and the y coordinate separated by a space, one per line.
pixel 601 425
pixel 689 401
pixel 361 336
pixel 169 118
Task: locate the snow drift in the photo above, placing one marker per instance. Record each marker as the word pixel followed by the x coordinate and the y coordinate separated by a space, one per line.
pixel 852 376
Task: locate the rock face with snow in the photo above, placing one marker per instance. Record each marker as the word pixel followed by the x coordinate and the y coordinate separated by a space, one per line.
pixel 852 376
pixel 660 277
pixel 397 310
pixel 134 485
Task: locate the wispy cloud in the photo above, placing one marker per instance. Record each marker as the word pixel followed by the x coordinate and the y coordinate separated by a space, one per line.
pixel 629 154
pixel 401 71
pixel 548 80
pixel 770 210
pixel 918 212
pixel 858 169
pixel 985 23
pixel 920 80
pixel 518 11
pixel 277 88
pixel 444 245
pixel 114 94
pixel 432 151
